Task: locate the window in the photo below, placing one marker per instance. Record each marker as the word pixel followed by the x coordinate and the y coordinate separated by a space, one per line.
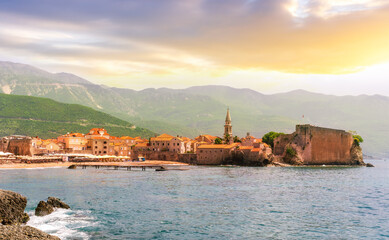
pixel 105 151
pixel 178 144
pixel 105 147
pixel 105 142
pixel 95 142
pixel 95 146
pixel 99 151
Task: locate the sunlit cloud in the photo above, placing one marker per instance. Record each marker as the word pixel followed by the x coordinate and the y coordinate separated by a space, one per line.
pixel 195 42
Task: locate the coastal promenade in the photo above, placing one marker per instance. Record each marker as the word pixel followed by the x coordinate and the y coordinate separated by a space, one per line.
pixel 147 163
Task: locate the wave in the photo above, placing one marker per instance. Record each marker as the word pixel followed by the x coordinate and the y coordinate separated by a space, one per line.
pixel 63 223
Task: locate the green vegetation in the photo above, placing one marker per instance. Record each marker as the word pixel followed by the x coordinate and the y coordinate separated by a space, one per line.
pixel 46 118
pixel 357 139
pixel 237 140
pixel 270 136
pixel 218 141
pixel 291 152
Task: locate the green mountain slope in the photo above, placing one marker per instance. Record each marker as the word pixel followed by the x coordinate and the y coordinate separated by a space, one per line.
pixel 47 118
pixel 202 109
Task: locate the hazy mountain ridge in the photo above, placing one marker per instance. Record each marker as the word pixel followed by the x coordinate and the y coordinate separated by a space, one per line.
pixel 202 109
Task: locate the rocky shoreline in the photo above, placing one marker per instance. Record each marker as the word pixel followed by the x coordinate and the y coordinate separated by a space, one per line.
pixel 13 218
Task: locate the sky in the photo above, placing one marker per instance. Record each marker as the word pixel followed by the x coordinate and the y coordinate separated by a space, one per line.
pixel 336 47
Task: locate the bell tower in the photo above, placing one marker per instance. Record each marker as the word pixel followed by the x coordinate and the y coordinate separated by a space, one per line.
pixel 228 128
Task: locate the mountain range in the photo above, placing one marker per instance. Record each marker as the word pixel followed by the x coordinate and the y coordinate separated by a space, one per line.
pixel 201 109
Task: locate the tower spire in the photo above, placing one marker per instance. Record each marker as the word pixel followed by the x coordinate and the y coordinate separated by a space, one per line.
pixel 228 117
pixel 228 128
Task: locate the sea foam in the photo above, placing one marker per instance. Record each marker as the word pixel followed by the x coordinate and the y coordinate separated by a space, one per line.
pixel 63 223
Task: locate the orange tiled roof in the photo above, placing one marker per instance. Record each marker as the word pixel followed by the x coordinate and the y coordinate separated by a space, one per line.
pixel 162 137
pixel 127 138
pixel 95 131
pixel 73 135
pixel 217 146
pixel 256 150
pixel 246 147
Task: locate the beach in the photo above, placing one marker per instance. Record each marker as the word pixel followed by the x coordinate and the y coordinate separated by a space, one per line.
pixel 67 164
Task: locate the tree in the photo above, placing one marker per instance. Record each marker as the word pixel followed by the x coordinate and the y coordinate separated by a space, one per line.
pixel 218 141
pixel 357 139
pixel 227 138
pixel 270 136
pixel 236 139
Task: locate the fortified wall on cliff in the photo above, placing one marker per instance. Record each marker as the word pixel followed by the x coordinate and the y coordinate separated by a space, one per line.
pixel 310 145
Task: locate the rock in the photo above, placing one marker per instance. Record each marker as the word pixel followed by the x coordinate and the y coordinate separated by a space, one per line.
pixel 57 203
pixel 72 167
pixel 369 165
pixel 18 232
pixel 356 155
pixel 12 207
pixel 43 209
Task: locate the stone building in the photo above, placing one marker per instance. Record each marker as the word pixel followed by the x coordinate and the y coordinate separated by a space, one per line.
pixel 168 143
pixel 74 142
pixel 311 145
pixel 214 154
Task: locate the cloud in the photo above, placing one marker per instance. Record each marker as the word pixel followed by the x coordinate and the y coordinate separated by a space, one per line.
pixel 173 37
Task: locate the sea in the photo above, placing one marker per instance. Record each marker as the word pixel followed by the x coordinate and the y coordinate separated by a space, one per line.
pixel 226 202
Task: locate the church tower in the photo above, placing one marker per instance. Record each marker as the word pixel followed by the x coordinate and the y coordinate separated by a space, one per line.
pixel 228 138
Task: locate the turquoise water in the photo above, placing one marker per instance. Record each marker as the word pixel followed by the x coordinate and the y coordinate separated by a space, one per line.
pixel 211 202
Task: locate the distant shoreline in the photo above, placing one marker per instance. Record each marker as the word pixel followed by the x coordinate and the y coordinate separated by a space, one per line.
pixel 67 164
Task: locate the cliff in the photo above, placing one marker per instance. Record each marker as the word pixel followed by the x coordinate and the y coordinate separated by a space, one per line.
pixel 310 145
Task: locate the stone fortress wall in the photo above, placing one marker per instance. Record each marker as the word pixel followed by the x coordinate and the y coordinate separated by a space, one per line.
pixel 316 145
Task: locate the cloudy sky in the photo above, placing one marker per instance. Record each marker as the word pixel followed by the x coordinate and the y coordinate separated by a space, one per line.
pixel 329 46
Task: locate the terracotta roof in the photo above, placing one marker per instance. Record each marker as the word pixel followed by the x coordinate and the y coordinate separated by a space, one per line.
pixel 210 138
pixel 95 131
pixel 256 150
pixel 246 147
pixel 163 137
pixel 217 146
pixel 114 138
pixel 73 135
pixel 127 138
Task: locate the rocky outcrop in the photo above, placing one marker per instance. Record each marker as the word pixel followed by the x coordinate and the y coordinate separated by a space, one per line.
pixel 18 232
pixel 369 165
pixel 72 167
pixel 12 214
pixel 12 207
pixel 57 203
pixel 356 155
pixel 43 209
